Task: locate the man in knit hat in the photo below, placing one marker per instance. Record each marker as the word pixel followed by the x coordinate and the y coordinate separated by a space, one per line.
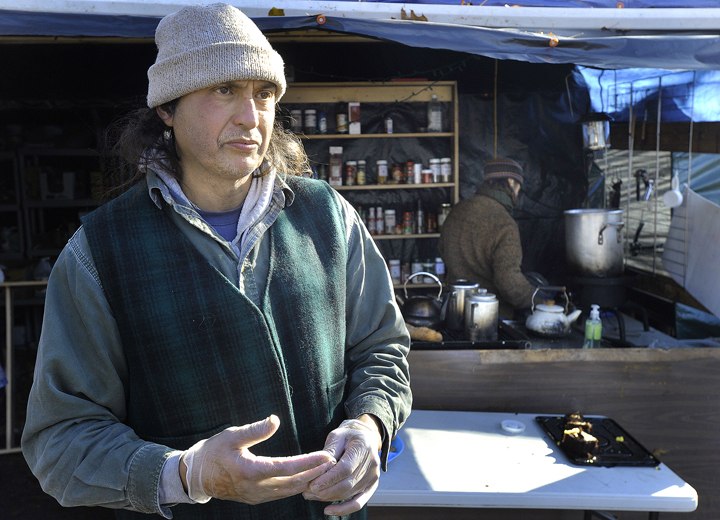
pixel 480 241
pixel 221 341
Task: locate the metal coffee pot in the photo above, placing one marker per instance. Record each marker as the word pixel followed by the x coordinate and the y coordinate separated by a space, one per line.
pixel 455 314
pixel 481 316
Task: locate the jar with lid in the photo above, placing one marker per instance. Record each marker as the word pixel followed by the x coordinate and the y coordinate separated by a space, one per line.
pixel 379 220
pixel 360 177
pixel 445 169
pixel 372 222
pixel 430 223
pixel 416 267
pixel 296 120
pixel 442 214
pixel 435 167
pixel 409 176
pixel 390 221
pixel 427 176
pixel 429 267
pixel 397 173
pixel 350 170
pixel 407 223
pixel 395 272
pixel 382 171
pixel 342 123
pixel 336 166
pixel 439 268
pixel 322 122
pixel 310 121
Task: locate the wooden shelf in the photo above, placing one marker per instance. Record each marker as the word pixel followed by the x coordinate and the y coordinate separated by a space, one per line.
pixel 404 236
pixel 376 187
pixel 375 136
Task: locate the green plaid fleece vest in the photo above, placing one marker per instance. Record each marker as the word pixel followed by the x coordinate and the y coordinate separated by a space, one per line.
pixel 202 356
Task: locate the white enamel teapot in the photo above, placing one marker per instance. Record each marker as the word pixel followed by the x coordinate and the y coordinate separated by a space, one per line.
pixel 551 320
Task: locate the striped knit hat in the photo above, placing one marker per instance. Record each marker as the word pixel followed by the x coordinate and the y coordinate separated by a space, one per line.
pixel 503 169
pixel 201 46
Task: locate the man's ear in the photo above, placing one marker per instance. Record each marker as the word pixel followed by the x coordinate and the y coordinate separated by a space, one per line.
pixel 165 115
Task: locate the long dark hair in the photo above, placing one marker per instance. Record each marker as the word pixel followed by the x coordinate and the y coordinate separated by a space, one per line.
pixel 144 141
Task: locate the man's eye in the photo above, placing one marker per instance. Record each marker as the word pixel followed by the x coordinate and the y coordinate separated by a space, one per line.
pixel 265 94
pixel 223 90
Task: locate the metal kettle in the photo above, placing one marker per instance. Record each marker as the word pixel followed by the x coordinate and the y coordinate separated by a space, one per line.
pixel 455 313
pixel 423 311
pixel 481 316
pixel 551 320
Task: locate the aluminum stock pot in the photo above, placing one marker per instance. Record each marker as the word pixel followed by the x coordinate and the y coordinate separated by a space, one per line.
pixel 593 242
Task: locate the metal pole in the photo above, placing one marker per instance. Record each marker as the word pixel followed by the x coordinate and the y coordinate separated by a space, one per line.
pixel 8 370
pixel 657 171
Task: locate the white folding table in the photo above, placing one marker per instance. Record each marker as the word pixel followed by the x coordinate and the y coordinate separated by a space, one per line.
pixel 466 459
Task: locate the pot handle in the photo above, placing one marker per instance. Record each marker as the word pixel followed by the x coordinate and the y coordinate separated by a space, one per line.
pixel 424 274
pixel 556 288
pixel 619 226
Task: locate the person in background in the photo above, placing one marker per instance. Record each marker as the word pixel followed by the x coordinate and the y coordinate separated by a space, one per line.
pixel 480 241
pixel 222 340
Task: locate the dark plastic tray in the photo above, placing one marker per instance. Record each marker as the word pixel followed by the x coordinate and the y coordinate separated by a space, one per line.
pixel 509 338
pixel 616 446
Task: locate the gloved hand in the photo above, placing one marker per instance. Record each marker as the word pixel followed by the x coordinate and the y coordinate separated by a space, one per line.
pixel 354 479
pixel 223 467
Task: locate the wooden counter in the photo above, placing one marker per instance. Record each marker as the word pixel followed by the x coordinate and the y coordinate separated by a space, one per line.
pixel 669 400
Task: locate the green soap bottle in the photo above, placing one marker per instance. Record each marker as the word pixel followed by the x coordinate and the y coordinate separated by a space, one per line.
pixel 593 328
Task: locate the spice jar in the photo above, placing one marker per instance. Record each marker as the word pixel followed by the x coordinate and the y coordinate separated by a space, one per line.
pixel 445 169
pixel 407 223
pixel 390 221
pixel 395 272
pixel 409 176
pixel 435 167
pixel 310 121
pixel 296 120
pixel 442 215
pixel 382 171
pixel 360 177
pixel 427 176
pixel 350 170
pixel 397 173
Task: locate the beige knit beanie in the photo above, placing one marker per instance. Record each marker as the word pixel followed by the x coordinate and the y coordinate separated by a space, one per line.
pixel 201 46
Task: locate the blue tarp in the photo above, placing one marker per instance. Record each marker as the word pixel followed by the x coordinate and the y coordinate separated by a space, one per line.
pixel 684 94
pixel 603 49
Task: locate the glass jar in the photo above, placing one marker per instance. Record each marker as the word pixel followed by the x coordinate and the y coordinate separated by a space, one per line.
pixel 390 221
pixel 310 121
pixel 361 177
pixel 446 169
pixel 350 171
pixel 395 272
pixel 442 214
pixel 336 164
pixel 296 120
pixel 382 171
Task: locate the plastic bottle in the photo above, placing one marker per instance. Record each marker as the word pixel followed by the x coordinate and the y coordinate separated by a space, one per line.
pixel 593 328
pixel 434 115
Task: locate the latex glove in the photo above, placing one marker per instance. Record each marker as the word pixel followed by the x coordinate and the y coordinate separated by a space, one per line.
pixel 355 477
pixel 223 467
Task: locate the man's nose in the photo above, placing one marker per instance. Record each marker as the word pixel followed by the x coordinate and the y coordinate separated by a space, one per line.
pixel 246 113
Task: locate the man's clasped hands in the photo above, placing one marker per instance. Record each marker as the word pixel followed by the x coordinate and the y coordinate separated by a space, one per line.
pixel 345 472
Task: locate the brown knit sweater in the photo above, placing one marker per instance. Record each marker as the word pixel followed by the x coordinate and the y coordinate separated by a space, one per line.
pixel 480 242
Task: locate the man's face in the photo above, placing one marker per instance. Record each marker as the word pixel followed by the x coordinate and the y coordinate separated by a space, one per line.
pixel 223 132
